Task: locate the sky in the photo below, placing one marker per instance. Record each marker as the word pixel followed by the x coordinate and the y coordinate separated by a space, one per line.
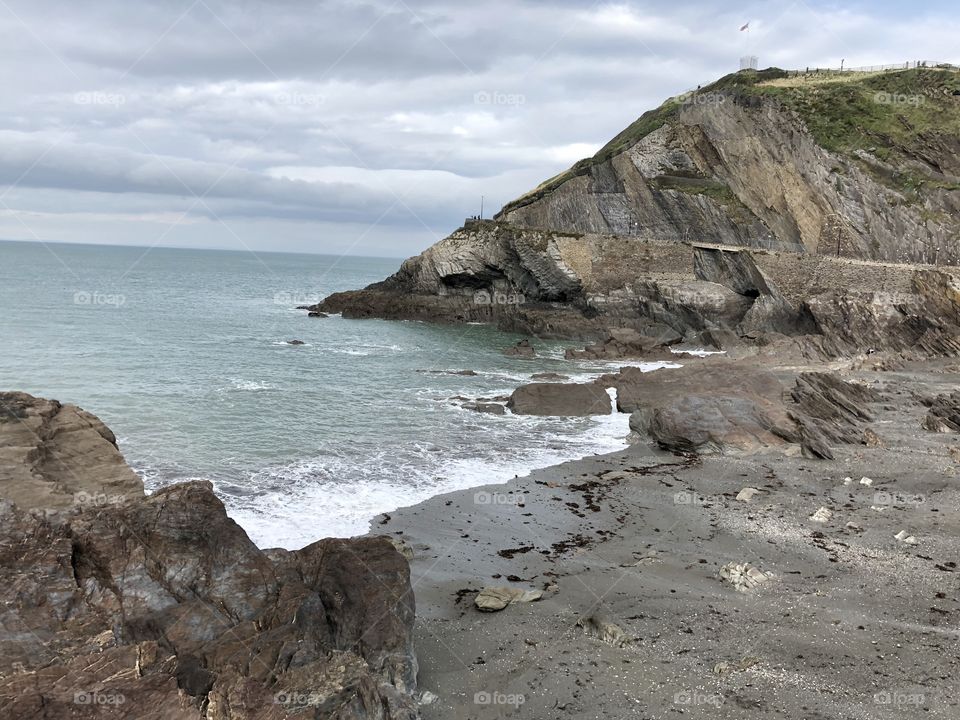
pixel 364 127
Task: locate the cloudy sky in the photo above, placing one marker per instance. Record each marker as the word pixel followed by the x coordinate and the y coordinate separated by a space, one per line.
pixel 369 127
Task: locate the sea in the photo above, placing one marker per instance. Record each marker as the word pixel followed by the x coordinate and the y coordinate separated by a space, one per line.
pixel 185 355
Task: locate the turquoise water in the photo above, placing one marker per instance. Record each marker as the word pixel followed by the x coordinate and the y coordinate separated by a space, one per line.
pixel 183 354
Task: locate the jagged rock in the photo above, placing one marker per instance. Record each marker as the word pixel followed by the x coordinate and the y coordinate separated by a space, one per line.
pixel 822 515
pixel 747 494
pixel 59 456
pixel 549 377
pixel 560 399
pixel 629 343
pixel 602 628
pixel 944 413
pixel 522 349
pixel 799 249
pixel 317 314
pixel 484 407
pixel 743 576
pixel 295 342
pixel 906 538
pixel 493 599
pixel 161 606
pixel 830 411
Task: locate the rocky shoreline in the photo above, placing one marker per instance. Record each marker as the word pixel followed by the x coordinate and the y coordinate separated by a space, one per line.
pixel 778 541
pixel 747 578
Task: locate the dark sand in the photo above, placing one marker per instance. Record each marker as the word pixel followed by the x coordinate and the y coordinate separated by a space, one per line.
pixel 852 624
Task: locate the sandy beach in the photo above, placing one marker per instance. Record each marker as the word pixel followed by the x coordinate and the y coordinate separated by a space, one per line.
pixel 635 620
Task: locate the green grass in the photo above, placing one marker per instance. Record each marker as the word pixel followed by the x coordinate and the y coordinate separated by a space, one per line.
pixel 883 113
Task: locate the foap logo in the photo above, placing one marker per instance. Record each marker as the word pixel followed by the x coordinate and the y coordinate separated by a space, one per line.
pixel 498 698
pixel 885 98
pixel 99 698
pixel 98 299
pixel 100 98
pixel 897 698
pixel 297 699
pixel 893 499
pixel 486 297
pixel 86 500
pixel 485 498
pixel 695 98
pixel 296 297
pixel 494 97
pixel 686 497
pixel 692 697
pixel 299 99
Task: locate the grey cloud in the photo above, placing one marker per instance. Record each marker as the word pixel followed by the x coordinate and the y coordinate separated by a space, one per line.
pixel 155 100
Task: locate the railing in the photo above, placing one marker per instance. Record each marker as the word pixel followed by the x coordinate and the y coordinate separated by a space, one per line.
pixel 908 65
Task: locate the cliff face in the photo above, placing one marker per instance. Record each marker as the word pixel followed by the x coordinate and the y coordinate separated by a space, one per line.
pixel 822 206
pixel 871 163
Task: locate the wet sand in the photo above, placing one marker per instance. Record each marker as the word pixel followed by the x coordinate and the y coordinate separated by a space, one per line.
pixel 851 623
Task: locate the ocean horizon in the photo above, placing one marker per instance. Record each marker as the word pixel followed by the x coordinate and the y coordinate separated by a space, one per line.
pixel 184 353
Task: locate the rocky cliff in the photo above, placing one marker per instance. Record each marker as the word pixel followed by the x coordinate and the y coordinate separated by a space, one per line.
pixel 867 164
pixel 118 605
pixel 824 207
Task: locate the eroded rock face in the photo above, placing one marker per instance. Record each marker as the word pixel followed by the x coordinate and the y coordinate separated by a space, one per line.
pixel 727 221
pixel 745 170
pixel 57 456
pixel 830 411
pixel 162 607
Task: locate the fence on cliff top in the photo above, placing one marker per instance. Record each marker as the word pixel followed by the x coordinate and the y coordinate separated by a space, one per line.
pixel 908 65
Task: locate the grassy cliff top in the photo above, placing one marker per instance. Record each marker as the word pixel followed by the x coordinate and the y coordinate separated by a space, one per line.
pixel 882 112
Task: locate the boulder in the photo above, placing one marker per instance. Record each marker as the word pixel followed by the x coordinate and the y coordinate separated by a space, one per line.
pixel 549 377
pixel 493 599
pixel 522 349
pixel 295 342
pixel 485 407
pixel 161 607
pixel 712 424
pixel 562 399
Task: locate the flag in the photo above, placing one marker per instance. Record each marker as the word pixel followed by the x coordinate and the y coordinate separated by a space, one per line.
pixel 745 27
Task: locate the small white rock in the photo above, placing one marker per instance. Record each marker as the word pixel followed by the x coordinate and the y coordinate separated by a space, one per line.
pixel 905 537
pixel 866 481
pixel 848 481
pixel 822 515
pixel 428 698
pixel 746 495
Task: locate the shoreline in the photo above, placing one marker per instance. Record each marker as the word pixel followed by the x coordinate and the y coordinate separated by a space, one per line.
pixel 606 541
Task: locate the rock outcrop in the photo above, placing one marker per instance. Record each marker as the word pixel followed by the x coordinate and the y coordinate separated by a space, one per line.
pixel 161 606
pixel 59 456
pixel 738 222
pixel 561 399
pixel 773 161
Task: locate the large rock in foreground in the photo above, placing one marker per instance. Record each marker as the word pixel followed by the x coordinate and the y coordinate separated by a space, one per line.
pixel 161 607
